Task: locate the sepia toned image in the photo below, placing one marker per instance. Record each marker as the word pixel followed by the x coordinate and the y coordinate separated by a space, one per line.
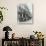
pixel 24 13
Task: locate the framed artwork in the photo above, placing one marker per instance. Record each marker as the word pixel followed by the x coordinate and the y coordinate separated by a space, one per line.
pixel 24 13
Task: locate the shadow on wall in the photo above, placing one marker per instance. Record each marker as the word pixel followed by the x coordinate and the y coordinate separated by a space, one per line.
pixel 0 42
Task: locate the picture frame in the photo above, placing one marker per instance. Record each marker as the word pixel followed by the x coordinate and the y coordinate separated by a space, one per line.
pixel 25 13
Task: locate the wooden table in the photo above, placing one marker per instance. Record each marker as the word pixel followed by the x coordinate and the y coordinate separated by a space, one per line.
pixel 24 42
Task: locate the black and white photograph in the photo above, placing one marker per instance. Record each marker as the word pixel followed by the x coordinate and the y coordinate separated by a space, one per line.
pixel 24 13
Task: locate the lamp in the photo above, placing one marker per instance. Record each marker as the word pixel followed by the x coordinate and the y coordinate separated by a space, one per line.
pixel 7 28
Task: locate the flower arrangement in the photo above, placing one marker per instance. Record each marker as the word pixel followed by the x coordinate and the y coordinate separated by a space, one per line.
pixel 1 15
pixel 39 34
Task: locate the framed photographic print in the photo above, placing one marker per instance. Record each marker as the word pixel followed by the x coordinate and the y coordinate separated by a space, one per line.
pixel 24 13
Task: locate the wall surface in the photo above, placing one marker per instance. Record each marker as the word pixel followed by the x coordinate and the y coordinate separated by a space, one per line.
pixel 25 30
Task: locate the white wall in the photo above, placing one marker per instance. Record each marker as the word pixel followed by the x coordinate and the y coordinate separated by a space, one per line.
pixel 39 18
